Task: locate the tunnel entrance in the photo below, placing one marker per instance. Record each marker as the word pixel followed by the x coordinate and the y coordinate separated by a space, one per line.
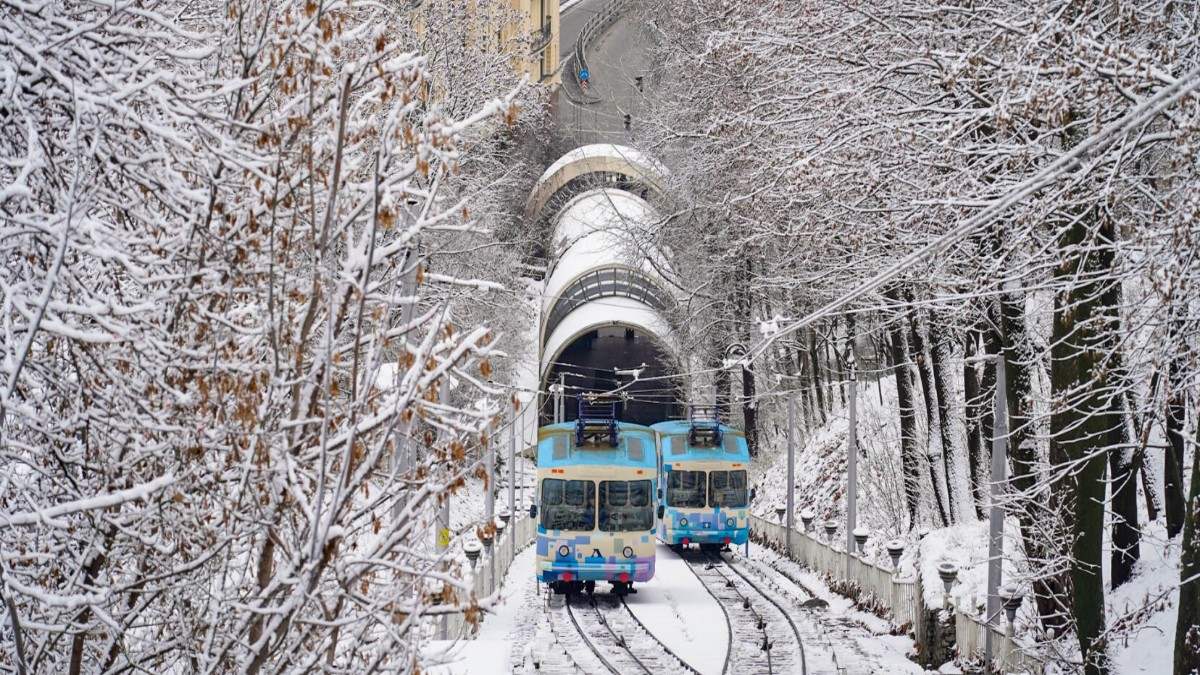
pixel 590 364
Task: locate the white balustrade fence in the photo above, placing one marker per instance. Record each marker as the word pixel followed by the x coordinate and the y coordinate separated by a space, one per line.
pixel 970 635
pixel 902 597
pixel 491 569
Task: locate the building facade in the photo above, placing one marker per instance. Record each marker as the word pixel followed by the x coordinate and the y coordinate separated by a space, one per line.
pixel 541 58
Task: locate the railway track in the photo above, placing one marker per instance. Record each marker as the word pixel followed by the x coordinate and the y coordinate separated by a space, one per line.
pixel 600 634
pixel 763 637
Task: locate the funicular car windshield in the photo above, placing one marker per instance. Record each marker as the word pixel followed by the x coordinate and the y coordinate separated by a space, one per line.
pixel 568 504
pixel 685 489
pixel 625 506
pixel 727 489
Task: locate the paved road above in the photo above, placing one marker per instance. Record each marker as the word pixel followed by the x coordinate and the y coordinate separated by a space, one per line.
pixel 615 60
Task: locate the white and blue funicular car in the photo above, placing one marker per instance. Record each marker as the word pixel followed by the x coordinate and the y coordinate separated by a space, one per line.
pixel 597 481
pixel 703 472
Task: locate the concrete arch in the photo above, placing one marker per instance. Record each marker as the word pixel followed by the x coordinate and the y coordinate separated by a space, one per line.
pixel 606 281
pixel 599 253
pixel 600 158
pixel 618 214
pixel 614 311
pixel 605 298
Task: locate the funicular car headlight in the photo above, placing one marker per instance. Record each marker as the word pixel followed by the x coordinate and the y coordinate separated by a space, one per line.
pixel 731 521
pixel 563 551
pixel 683 522
pixel 627 551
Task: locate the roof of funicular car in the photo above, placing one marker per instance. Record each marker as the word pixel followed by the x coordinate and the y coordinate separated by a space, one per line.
pixel 556 447
pixel 703 452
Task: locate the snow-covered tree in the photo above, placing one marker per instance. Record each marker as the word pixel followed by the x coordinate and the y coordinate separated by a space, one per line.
pixel 210 217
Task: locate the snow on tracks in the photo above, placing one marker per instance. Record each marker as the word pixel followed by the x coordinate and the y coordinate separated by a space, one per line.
pixel 764 638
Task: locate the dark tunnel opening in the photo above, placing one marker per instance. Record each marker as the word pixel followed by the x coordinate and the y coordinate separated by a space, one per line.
pixel 590 364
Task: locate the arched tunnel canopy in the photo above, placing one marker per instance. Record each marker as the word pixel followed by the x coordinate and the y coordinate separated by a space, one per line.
pixel 604 297
pixel 605 282
pixel 602 339
pixel 601 158
pixel 600 253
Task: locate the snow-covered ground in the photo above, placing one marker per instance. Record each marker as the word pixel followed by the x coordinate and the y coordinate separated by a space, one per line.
pixel 1141 614
pixel 681 614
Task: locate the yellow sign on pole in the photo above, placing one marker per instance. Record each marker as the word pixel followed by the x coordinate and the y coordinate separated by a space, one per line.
pixel 443 537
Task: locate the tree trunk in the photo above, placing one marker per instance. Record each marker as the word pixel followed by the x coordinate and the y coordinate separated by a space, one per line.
pixel 749 402
pixel 1126 537
pixel 1149 489
pixel 1019 363
pixel 1173 457
pixel 1079 425
pixel 749 410
pixel 835 361
pixel 1187 626
pixel 973 416
pixel 880 359
pixel 722 385
pixel 806 391
pixel 818 385
pixel 1142 424
pixel 933 423
pixel 958 490
pixel 1018 366
pixel 908 414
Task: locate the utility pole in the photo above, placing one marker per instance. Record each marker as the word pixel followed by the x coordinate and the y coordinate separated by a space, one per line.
pixel 852 462
pixel 791 468
pixel 560 414
pixel 512 460
pixel 489 463
pixel 402 455
pixel 996 517
pixel 442 524
pixel 524 438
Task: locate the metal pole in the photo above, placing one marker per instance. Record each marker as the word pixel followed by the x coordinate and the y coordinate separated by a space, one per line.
pixel 442 524
pixel 996 517
pixel 402 456
pixel 524 440
pixel 512 460
pixel 489 463
pixel 562 399
pixel 852 463
pixel 791 469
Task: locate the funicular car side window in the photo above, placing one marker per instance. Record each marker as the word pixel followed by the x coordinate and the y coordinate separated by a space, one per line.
pixel 685 489
pixel 568 504
pixel 727 489
pixel 625 506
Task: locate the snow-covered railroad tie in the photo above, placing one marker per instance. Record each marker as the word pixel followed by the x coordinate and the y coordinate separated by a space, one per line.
pixel 763 638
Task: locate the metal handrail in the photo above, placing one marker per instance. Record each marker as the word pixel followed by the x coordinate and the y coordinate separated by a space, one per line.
pixel 594 26
pixel 541 39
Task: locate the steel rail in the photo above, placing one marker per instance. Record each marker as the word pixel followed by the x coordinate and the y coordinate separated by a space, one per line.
pixel 666 649
pixel 620 641
pixel 592 645
pixel 784 612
